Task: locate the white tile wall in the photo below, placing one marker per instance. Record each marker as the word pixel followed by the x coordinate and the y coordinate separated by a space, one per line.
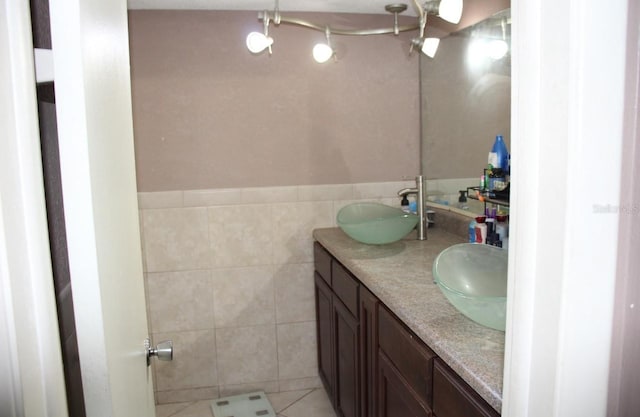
pixel 243 296
pixel 230 280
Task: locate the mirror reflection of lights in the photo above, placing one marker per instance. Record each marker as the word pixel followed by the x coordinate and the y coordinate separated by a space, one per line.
pixel 497 49
pixel 481 49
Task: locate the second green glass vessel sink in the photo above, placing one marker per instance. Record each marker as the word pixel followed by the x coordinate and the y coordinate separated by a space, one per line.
pixel 375 223
pixel 473 277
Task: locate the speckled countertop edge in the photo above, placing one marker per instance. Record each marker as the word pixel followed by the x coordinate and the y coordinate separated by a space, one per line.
pixel 400 275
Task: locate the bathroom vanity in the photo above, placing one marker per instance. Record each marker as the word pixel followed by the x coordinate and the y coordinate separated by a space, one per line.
pixel 389 343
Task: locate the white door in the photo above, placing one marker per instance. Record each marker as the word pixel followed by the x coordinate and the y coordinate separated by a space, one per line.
pixel 95 128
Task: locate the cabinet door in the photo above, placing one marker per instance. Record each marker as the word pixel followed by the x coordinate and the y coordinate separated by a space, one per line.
pixel 324 334
pixel 412 358
pixel 452 397
pixel 395 396
pixel 322 262
pixel 368 349
pixel 347 388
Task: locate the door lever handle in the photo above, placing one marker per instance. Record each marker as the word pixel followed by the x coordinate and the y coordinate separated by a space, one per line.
pixel 163 351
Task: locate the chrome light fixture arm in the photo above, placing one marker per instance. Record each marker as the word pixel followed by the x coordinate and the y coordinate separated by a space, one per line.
pixel 266 33
pixel 336 31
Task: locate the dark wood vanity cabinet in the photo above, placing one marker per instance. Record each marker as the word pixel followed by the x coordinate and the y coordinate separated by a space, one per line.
pixel 395 398
pixel 368 352
pixel 324 317
pixel 346 362
pixel 371 364
pixel 405 369
pixel 338 333
pixel 455 398
pixel 324 333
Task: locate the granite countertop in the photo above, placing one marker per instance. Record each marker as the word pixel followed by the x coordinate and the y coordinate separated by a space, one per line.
pixel 399 274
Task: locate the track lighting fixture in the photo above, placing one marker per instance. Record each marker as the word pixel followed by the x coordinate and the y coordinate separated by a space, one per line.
pixel 450 10
pixel 322 52
pixel 258 42
pixel 428 46
pixel 396 9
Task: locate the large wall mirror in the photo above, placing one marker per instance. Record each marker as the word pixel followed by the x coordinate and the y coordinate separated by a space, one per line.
pixel 466 100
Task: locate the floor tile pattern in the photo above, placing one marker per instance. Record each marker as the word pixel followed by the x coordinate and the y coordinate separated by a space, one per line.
pixel 301 403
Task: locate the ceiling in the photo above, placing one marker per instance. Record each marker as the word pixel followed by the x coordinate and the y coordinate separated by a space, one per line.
pixel 474 10
pixel 331 6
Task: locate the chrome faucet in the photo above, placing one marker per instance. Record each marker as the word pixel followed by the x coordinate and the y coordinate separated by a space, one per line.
pixel 420 200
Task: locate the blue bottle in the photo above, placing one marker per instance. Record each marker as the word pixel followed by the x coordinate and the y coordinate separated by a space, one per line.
pixel 499 156
pixel 472 231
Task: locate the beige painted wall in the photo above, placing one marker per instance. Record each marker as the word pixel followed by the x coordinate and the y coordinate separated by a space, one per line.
pixel 208 114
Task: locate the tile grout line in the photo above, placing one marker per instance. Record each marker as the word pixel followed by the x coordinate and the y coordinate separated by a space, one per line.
pixel 210 253
pixel 275 319
pixel 296 401
pixel 189 404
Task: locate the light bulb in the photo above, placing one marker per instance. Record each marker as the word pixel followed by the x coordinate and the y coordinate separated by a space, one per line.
pixel 322 53
pixel 476 52
pixel 430 47
pixel 258 42
pixel 497 49
pixel 450 10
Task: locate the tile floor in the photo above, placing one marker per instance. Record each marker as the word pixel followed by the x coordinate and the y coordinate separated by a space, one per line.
pixel 302 403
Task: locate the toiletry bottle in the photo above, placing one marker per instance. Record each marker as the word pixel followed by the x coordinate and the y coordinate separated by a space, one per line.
pixel 472 231
pixel 491 231
pixel 497 180
pixel 502 228
pixel 481 233
pixel 490 222
pixel 481 230
pixel 499 156
pixel 462 200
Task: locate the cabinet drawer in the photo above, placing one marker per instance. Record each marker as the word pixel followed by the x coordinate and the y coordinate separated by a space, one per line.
pixel 410 356
pixel 322 262
pixel 452 397
pixel 345 287
pixel 395 397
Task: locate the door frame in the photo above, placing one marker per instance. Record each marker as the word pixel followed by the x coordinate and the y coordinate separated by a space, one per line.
pixel 92 37
pixel 33 361
pixel 30 351
pixel 567 122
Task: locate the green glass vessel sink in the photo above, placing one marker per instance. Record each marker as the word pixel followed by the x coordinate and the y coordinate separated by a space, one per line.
pixel 375 223
pixel 473 277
